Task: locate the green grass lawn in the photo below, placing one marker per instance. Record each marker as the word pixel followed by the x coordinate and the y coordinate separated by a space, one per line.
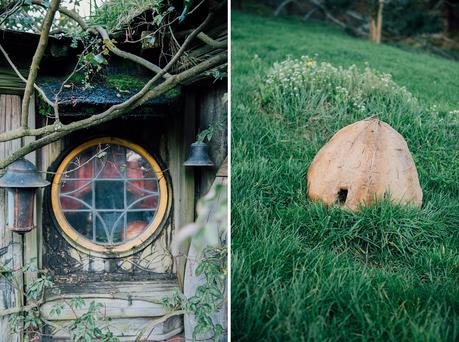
pixel 303 272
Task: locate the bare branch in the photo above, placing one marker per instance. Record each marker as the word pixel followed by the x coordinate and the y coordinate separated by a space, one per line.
pixel 123 54
pixel 185 44
pixel 188 74
pixel 68 12
pixel 127 55
pixel 107 41
pixel 39 52
pixel 212 42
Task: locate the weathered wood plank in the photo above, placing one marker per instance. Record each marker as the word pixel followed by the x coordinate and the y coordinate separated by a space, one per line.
pixel 31 240
pixel 122 299
pixel 13 106
pixel 10 297
pixel 6 291
pixel 114 308
pixel 127 329
pixel 213 112
pixel 181 137
pixel 131 305
pixel 146 289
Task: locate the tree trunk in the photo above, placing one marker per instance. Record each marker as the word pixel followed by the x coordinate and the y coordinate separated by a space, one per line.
pixel 372 31
pixel 376 24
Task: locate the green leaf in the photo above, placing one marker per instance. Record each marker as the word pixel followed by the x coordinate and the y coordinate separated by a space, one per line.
pixel 76 302
pixel 200 269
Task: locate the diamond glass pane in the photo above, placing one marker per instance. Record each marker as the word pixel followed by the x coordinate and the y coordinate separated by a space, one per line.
pixel 109 194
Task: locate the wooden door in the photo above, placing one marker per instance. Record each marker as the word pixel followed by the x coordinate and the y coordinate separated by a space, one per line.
pixel 130 284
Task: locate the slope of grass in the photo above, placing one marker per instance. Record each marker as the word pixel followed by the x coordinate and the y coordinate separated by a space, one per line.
pixel 303 272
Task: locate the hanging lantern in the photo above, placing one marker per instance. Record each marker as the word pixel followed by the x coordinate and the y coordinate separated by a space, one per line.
pixel 199 155
pixel 363 162
pixel 22 181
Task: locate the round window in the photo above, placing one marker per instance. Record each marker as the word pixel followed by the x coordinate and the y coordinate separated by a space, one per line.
pixel 109 196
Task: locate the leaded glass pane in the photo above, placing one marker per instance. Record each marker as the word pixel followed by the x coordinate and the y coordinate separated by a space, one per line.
pixel 82 222
pixel 109 194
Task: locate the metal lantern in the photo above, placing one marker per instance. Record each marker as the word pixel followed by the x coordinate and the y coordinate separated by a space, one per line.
pixel 22 181
pixel 199 155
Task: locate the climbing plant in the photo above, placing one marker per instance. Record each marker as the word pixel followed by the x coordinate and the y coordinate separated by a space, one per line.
pixel 28 321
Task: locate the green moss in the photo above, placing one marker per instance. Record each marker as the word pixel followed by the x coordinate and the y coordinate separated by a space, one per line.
pixel 123 82
pixel 173 93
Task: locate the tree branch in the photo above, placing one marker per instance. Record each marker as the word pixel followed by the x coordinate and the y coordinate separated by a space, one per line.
pixel 212 42
pixel 39 52
pixel 127 55
pixel 123 54
pixel 184 46
pixel 188 74
pixel 107 41
pixel 19 309
pixel 68 12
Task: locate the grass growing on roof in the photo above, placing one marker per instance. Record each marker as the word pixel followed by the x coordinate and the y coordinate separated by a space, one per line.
pixel 125 82
pixel 118 14
pixel 301 271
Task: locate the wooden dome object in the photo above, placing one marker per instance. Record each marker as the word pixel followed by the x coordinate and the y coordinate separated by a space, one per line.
pixel 362 162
